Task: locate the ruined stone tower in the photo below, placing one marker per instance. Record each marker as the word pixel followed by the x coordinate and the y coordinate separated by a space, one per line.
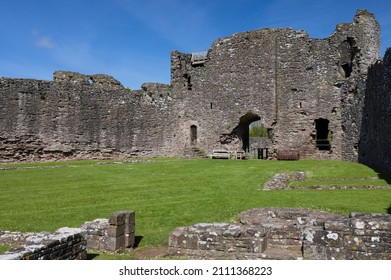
pixel 308 94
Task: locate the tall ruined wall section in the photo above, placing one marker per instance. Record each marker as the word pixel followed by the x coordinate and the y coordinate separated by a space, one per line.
pixel 78 116
pixel 283 78
pixel 375 144
pixel 357 54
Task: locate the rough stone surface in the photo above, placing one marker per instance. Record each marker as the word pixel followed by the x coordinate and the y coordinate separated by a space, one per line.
pixel 63 244
pixel 113 234
pixel 296 86
pixel 281 181
pixel 217 240
pixel 375 140
pixel 288 233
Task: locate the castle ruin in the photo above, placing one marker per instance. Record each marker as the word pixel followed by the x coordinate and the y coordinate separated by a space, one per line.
pixel 323 98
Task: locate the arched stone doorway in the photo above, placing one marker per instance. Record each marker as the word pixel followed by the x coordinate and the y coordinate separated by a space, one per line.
pixel 239 138
pixel 243 129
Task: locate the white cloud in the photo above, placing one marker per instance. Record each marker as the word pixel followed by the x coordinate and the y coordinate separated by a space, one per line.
pixel 45 42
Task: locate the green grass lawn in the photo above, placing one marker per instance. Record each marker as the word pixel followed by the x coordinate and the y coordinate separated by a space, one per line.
pixel 167 193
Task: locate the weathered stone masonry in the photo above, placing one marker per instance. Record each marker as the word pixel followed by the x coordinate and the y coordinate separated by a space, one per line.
pixel 308 93
pixel 63 244
pixel 76 116
pixel 375 140
pixel 288 233
pixel 113 235
pixel 285 79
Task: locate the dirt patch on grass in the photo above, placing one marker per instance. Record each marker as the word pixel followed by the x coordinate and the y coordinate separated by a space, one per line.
pixel 151 253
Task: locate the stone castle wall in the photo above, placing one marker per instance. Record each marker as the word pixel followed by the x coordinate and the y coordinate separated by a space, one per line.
pixel 295 85
pixel 77 116
pixel 375 144
pixel 285 79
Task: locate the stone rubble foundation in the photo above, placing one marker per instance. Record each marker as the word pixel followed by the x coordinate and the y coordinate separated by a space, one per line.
pixel 287 233
pixel 113 234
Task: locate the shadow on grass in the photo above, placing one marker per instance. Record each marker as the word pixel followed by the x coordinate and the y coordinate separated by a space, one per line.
pixel 137 240
pixel 91 256
pixel 389 210
pixel 383 174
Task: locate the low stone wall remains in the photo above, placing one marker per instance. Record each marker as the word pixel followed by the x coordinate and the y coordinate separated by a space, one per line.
pixel 63 244
pixel 113 234
pixel 287 233
pixel 280 181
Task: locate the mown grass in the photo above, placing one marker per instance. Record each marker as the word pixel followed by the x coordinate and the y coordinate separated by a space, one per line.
pixel 4 248
pixel 168 193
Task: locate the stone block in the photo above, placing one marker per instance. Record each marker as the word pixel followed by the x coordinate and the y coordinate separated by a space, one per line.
pixel 130 218
pixel 259 245
pixel 178 237
pixel 342 225
pixel 379 224
pixel 94 243
pixel 117 219
pixel 203 245
pixel 354 243
pixel 115 231
pixel 378 248
pixel 284 232
pixel 114 244
pixel 294 242
pixel 256 231
pixel 314 251
pixel 130 228
pixel 234 233
pixel 188 241
pixel 335 253
pixel 285 252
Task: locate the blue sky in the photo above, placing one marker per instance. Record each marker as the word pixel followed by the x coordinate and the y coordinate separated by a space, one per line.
pixel 131 40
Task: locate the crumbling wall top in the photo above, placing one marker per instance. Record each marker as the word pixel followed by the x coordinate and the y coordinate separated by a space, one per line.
pixel 77 78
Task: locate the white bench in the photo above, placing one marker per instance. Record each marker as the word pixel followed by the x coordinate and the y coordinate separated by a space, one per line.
pixel 221 154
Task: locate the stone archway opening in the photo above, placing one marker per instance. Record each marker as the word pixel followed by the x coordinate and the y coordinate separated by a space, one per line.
pixel 242 130
pixel 250 136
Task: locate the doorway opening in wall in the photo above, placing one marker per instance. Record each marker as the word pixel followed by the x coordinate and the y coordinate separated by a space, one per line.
pixel 259 140
pixel 243 129
pixel 193 135
pixel 323 134
pixel 250 136
pixel 254 135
